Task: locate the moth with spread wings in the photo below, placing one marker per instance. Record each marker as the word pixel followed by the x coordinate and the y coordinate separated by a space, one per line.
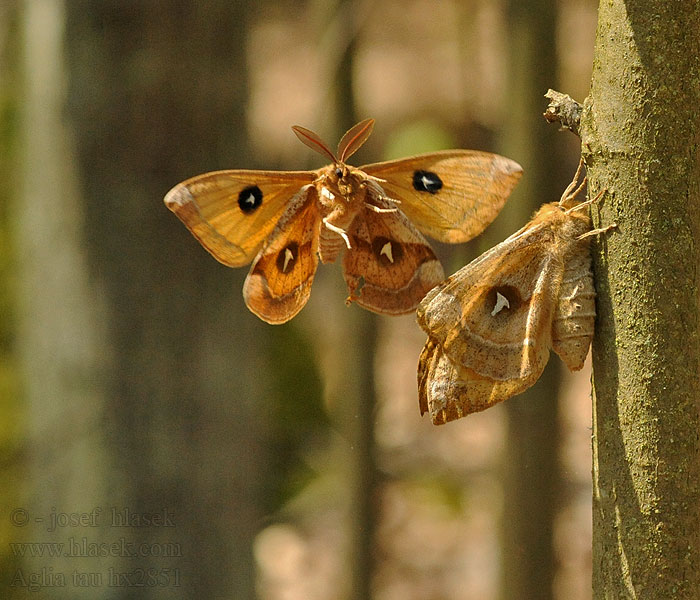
pixel 492 324
pixel 284 220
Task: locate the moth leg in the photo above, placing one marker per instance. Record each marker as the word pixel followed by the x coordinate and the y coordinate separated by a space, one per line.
pixel 587 202
pixel 326 193
pixel 339 231
pixel 376 190
pixel 373 179
pixel 381 210
pixel 597 231
pixel 568 197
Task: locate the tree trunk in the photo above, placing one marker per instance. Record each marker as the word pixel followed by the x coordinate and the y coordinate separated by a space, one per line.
pixel 640 130
pixel 356 351
pixel 531 466
pixel 59 332
pixel 157 93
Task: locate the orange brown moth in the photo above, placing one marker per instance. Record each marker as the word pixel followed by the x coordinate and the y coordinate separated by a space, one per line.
pixel 492 324
pixel 284 220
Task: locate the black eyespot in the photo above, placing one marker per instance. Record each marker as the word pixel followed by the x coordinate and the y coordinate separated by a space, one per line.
pixel 250 198
pixel 426 181
pixel 386 251
pixel 287 257
pixel 508 302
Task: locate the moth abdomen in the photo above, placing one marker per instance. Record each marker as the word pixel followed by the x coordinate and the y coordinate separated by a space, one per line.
pixel 574 320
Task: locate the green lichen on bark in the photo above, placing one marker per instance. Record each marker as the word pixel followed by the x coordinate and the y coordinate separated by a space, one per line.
pixel 640 130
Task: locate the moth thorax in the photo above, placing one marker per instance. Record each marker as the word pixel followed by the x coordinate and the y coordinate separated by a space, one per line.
pixel 579 221
pixel 569 240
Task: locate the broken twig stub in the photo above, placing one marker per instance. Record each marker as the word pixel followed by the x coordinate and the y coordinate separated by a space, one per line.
pixel 563 109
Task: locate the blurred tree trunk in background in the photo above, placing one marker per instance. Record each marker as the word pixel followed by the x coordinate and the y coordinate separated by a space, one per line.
pixel 531 466
pixel 360 394
pixel 352 389
pixel 640 131
pixel 157 93
pixel 61 338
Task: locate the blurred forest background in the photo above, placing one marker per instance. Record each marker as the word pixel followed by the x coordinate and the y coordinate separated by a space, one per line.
pixel 255 461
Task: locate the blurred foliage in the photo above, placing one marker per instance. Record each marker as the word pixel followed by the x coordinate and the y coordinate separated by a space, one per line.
pixel 298 422
pixel 416 137
pixel 12 422
pixel 9 103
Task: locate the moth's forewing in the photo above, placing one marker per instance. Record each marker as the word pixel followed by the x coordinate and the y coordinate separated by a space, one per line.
pixel 452 195
pixel 232 213
pixel 490 315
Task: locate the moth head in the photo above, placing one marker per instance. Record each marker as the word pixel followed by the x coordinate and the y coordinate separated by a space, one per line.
pixel 342 174
pixel 336 180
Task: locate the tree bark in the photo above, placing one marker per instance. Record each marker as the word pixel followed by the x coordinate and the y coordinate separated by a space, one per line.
pixel 640 131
